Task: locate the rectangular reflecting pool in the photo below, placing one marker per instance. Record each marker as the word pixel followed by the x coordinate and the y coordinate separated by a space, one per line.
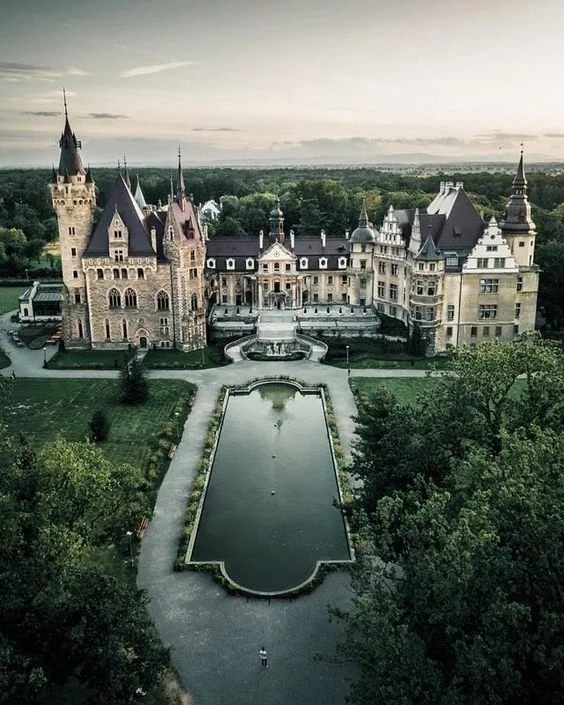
pixel 269 513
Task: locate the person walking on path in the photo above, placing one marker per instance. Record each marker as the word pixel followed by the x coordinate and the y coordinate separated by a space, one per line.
pixel 263 657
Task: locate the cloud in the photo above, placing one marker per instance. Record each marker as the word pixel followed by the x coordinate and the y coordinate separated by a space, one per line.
pixel 554 135
pixel 501 136
pixel 155 68
pixel 42 113
pixel 107 116
pixel 215 129
pixel 73 71
pixel 12 71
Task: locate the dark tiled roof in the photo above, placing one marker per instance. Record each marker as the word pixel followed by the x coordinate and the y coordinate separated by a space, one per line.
pixel 184 214
pixel 121 199
pixel 453 221
pixel 233 247
pixel 70 161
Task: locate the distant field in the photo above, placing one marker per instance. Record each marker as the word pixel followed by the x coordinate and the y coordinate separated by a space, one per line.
pixel 9 298
pixel 44 408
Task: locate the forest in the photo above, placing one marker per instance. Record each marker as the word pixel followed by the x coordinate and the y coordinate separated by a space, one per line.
pixel 312 199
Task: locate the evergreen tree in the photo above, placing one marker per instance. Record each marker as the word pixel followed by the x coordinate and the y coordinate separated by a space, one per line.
pixel 99 425
pixel 133 382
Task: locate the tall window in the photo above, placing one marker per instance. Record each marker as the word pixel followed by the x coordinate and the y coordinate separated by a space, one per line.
pixel 381 290
pixel 130 299
pixel 394 270
pixel 517 310
pixel 114 298
pixel 450 313
pixel 394 292
pixel 482 262
pixel 107 326
pixel 519 283
pixel 499 262
pixel 194 302
pixel 140 273
pixel 100 273
pixel 487 311
pixel 124 326
pixel 124 273
pixel 381 268
pixel 162 301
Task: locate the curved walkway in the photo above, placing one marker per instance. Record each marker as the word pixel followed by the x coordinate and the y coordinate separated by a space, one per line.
pixel 215 637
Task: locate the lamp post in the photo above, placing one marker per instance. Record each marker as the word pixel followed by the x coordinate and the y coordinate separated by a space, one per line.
pixel 348 368
pixel 44 356
pixel 129 536
pixel 203 356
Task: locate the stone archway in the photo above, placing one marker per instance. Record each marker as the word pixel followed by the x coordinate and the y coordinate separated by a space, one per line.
pixel 141 339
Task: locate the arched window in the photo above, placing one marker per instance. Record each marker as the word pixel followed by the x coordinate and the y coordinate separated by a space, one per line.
pixel 162 301
pixel 194 302
pixel 107 325
pixel 116 273
pixel 114 298
pixel 124 325
pixel 124 273
pixel 130 299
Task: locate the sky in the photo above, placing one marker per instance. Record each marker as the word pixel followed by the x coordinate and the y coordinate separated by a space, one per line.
pixel 292 81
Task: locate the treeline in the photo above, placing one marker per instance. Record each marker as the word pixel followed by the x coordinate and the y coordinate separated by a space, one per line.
pixel 312 199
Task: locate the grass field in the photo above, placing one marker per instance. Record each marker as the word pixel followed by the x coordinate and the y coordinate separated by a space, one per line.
pixel 154 360
pixel 45 408
pixel 9 298
pixel 404 389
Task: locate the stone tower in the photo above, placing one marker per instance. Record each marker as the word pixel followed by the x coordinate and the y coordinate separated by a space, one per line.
pixel 74 199
pixel 361 266
pixel 516 223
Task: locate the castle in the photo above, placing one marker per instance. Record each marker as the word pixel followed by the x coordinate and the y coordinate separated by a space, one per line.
pixel 147 276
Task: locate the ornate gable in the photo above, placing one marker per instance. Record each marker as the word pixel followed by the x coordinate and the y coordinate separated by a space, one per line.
pixel 277 253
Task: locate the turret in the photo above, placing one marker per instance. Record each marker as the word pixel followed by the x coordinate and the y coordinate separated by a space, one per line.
pixel 516 223
pixel 180 188
pixel 276 221
pixel 73 197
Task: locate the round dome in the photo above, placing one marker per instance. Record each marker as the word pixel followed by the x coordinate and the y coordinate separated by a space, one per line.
pixel 363 234
pixel 276 212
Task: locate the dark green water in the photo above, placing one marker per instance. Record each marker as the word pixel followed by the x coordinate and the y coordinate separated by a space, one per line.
pixel 272 440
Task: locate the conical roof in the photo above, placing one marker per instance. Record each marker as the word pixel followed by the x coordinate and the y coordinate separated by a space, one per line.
pixel 516 217
pixel 70 161
pixel 138 196
pixel 429 252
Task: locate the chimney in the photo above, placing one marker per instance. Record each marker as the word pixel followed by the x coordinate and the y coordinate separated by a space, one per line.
pixel 154 239
pixel 261 239
pixel 292 240
pixel 206 236
pixel 323 239
pixel 442 187
pixel 347 234
pixel 459 185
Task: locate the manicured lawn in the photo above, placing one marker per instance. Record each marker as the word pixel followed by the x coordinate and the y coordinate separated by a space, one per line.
pixel 44 408
pixel 154 359
pixel 88 360
pixel 9 298
pixel 405 389
pixel 176 360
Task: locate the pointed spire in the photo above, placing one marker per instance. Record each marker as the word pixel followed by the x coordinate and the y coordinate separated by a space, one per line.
pixel 89 179
pixel 180 188
pixel 429 251
pixel 70 160
pixel 520 180
pixel 139 197
pixel 363 221
pixel 126 173
pixel 517 214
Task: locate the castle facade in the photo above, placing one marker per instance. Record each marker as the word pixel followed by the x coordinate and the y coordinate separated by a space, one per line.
pixel 146 276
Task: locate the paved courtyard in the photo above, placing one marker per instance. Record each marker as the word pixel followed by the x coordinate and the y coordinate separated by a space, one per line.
pixel 215 637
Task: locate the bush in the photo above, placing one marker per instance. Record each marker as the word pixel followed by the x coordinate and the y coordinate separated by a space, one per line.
pixel 99 426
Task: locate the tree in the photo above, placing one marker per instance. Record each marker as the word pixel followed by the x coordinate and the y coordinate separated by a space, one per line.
pixel 62 618
pixel 459 576
pixel 99 425
pixel 133 382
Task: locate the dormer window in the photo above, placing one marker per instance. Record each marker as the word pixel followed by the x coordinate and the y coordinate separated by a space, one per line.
pixel 249 263
pixel 323 263
pixel 342 263
pixel 230 263
pixel 117 233
pixel 210 263
pixel 303 263
pixel 170 233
